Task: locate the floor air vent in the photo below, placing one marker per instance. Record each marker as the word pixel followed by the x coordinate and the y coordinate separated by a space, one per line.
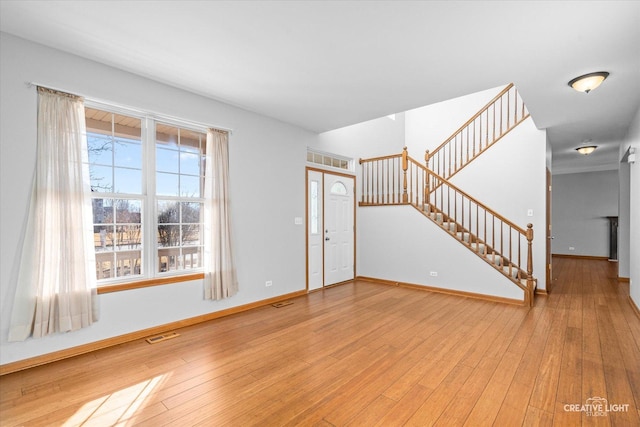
pixel 281 304
pixel 163 337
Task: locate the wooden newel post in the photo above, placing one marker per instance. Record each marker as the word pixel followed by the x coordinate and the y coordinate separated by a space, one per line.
pixel 362 179
pixel 405 166
pixel 530 290
pixel 427 178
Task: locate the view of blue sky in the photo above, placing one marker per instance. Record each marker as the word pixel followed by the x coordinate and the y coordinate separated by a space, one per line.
pixel 116 166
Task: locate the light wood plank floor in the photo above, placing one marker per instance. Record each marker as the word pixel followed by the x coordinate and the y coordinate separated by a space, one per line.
pixel 363 354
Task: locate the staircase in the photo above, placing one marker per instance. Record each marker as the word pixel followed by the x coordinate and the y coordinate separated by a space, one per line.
pixel 490 124
pixel 400 180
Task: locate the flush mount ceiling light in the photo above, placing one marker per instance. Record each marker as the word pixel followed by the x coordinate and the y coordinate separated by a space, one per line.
pixel 588 82
pixel 586 149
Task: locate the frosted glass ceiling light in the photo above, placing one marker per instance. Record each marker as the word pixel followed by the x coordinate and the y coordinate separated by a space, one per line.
pixel 588 82
pixel 586 149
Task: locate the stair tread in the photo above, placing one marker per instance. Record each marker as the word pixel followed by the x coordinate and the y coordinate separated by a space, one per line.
pixel 513 273
pixel 495 259
pixel 463 235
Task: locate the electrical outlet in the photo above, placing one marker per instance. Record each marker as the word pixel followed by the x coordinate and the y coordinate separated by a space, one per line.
pixel 571 248
pixel 433 273
pixel 268 283
pixel 529 212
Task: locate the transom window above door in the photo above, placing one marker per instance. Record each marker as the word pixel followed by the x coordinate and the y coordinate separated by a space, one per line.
pixel 329 160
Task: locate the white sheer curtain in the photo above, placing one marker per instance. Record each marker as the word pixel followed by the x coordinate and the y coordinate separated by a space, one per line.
pixel 219 271
pixel 56 289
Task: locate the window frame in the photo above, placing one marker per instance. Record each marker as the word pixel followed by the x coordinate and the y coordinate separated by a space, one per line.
pixel 150 275
pixel 180 200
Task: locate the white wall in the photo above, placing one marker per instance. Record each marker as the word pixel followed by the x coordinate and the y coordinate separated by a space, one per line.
pixel 633 139
pixel 581 203
pixel 267 161
pixel 373 138
pixel 415 246
pixel 549 161
pixel 624 219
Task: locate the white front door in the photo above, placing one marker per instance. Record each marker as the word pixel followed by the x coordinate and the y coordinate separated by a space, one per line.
pixel 338 229
pixel 330 233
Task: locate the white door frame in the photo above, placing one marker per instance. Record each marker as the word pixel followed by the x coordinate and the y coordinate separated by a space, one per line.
pixel 315 238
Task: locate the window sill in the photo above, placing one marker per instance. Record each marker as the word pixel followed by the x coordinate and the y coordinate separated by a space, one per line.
pixel 148 283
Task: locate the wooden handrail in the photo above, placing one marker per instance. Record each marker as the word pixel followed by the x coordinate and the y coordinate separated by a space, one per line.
pixel 374 159
pixel 486 127
pixel 475 116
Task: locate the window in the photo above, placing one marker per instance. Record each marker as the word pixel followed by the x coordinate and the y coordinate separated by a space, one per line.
pixel 330 160
pixel 179 187
pixel 315 220
pixel 339 188
pixel 147 179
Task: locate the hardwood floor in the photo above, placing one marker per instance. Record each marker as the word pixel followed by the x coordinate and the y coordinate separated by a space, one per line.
pixel 363 354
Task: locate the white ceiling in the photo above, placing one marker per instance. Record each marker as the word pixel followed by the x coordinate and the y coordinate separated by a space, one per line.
pixel 322 65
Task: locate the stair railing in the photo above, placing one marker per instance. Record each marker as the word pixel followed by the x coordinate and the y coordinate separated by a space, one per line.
pixel 485 128
pixel 382 180
pixel 400 180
